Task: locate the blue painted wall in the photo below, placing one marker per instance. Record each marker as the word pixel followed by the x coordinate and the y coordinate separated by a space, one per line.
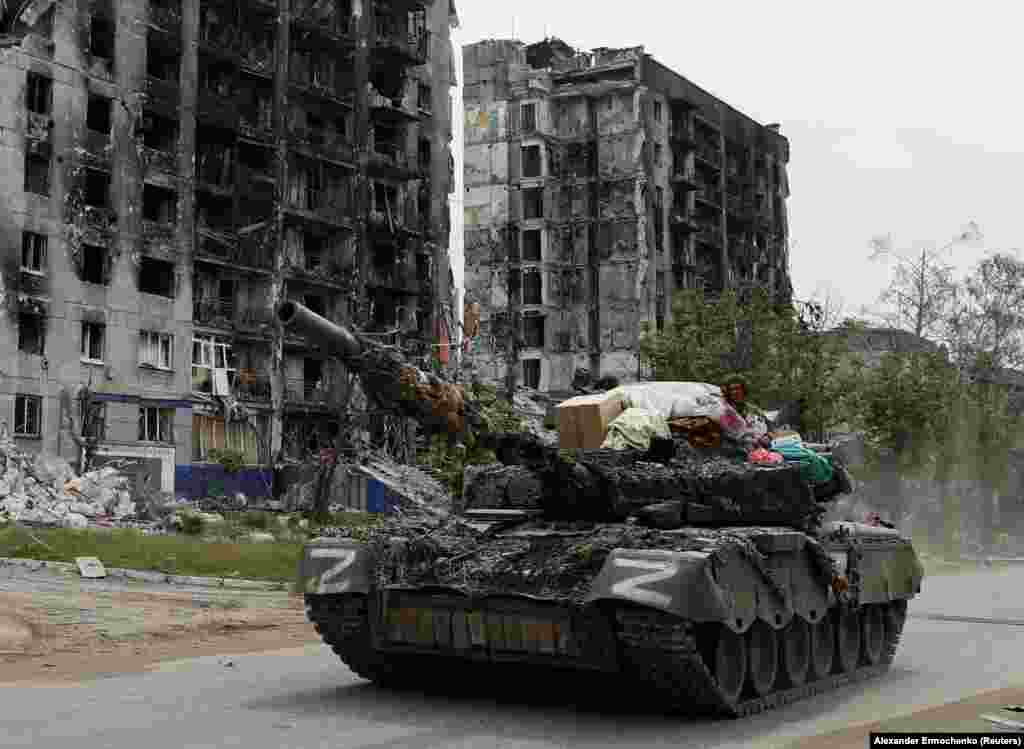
pixel 200 480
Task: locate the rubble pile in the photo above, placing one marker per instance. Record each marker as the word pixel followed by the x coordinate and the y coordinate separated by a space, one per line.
pixel 532 408
pixel 44 489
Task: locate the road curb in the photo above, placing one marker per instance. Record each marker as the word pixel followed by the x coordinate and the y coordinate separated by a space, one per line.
pixel 226 583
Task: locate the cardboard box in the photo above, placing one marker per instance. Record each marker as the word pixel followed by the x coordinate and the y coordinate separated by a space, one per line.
pixel 583 421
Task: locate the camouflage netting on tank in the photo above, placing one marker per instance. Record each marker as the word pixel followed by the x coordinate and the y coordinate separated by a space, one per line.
pixel 611 485
pixel 547 559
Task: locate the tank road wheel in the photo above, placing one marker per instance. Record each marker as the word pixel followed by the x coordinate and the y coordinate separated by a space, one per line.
pixel 796 652
pixel 823 648
pixel 730 664
pixel 847 640
pixel 763 656
pixel 872 627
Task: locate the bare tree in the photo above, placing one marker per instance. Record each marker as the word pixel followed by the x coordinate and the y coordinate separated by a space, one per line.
pixel 923 288
pixel 985 327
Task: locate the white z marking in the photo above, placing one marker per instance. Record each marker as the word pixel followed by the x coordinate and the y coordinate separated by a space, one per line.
pixel 345 559
pixel 633 589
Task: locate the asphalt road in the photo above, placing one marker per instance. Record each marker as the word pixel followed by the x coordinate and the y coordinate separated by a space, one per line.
pixel 306 698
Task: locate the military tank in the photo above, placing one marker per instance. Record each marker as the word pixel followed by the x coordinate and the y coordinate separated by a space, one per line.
pixel 707 582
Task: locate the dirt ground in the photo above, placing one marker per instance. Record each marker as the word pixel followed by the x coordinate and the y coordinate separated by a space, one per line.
pixel 70 635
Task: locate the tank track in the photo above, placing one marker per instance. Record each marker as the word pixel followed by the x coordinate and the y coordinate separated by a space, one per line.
pixel 661 653
pixel 343 623
pixel 658 651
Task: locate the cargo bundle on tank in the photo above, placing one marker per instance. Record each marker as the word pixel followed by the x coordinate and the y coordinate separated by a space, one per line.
pixel 697 575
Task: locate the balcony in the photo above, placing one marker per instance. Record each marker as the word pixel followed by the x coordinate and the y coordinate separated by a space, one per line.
pixel 252 386
pixel 34 284
pixel 258 128
pixel 709 155
pixel 710 236
pixel 683 138
pixel 709 195
pixel 222 40
pixel 220 246
pixel 330 206
pixel 400 278
pixel 323 18
pixel 409 46
pixel 394 160
pixel 159 89
pixel 218 108
pixel 329 143
pixel 38 127
pixel 157 159
pixel 312 393
pixel 165 19
pixel 394 110
pixel 215 313
pixel 682 221
pixel 685 178
pixel 257 59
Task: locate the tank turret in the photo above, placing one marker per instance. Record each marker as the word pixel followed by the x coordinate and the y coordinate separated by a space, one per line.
pixel 388 379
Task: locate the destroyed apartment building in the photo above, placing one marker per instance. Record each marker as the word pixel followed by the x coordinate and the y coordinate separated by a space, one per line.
pixel 597 184
pixel 173 169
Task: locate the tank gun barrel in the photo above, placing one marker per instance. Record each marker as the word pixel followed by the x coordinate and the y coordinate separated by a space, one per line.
pixel 336 339
pixel 387 376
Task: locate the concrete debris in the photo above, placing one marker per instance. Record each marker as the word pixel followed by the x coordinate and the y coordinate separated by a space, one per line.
pixel 44 489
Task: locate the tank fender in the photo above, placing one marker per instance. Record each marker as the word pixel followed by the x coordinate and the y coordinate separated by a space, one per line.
pixel 335 567
pixel 676 582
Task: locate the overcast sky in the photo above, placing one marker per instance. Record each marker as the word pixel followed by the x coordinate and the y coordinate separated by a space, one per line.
pixel 901 115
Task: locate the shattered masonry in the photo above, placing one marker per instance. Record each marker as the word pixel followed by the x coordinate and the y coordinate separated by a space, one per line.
pixel 596 184
pixel 175 167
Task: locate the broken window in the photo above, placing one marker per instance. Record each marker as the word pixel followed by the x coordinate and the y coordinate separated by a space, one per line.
pixel 93 336
pixel 425 97
pixel 533 203
pixel 159 204
pixel 531 373
pixel 156 424
pixel 212 433
pixel 659 218
pixel 94 264
pixel 37 174
pixel 532 331
pixel 101 37
pixel 97 117
pixel 528 116
pixel 515 286
pixel 657 111
pixel 208 355
pixel 313 250
pixel 93 419
pixel 156 349
pixel 531 246
pixel 33 252
pixel 161 63
pixel 28 416
pixel 156 277
pixel 315 303
pixel 97 188
pixel 424 153
pixel 31 333
pixel 657 154
pixel 532 293
pixel 531 161
pixel 158 132
pixel 38 93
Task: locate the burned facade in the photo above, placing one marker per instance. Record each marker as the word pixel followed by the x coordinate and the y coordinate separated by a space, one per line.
pixel 175 168
pixel 597 184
